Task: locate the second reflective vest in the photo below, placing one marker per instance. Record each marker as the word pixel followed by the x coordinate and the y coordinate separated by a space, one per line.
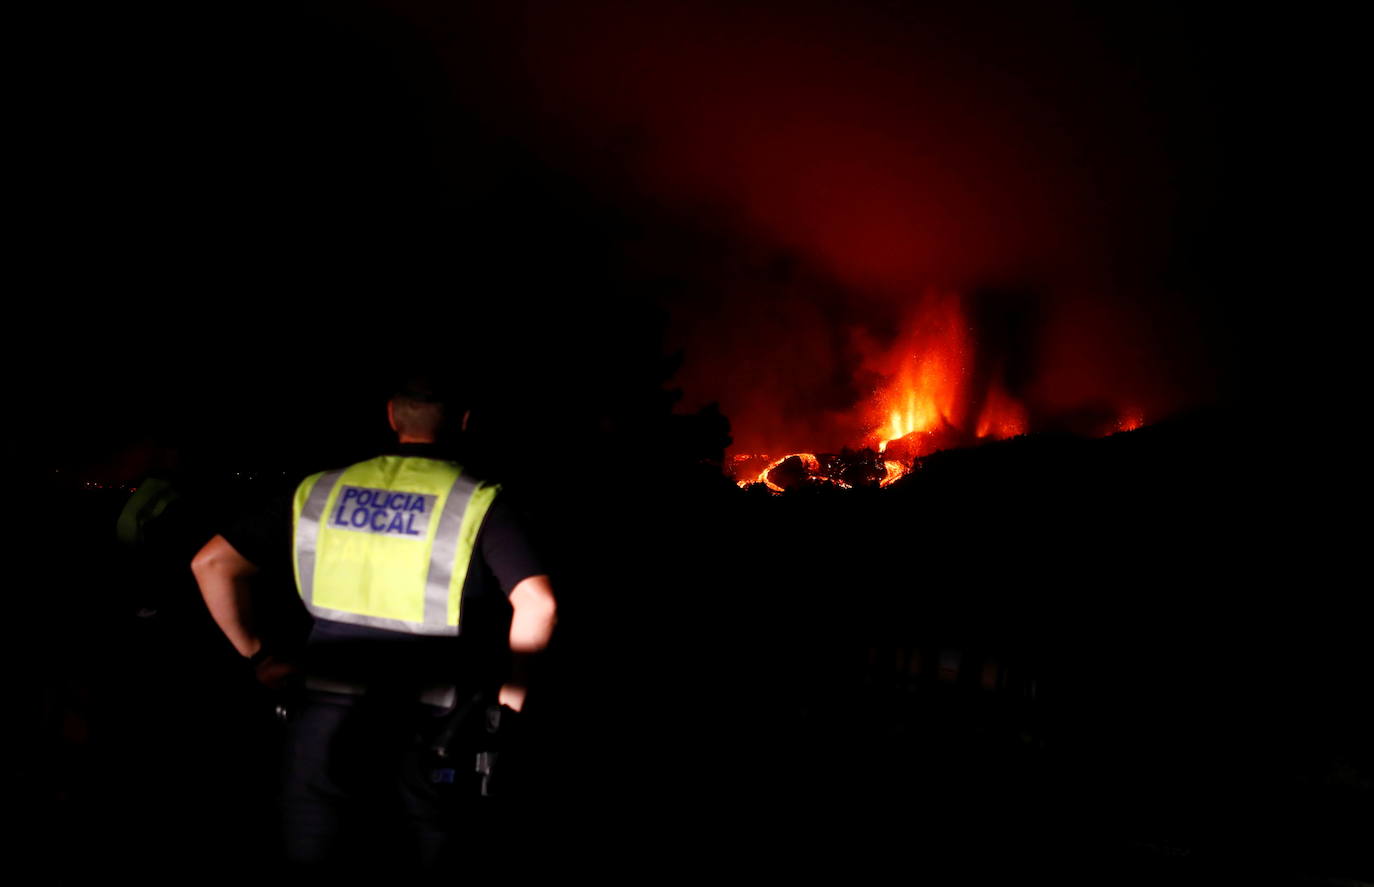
pixel 386 543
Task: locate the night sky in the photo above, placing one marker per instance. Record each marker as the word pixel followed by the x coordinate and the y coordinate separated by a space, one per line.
pixel 256 217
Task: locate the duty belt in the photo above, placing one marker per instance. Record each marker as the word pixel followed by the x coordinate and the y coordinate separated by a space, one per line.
pixel 438 695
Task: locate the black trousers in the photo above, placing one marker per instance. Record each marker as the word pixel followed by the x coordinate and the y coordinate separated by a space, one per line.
pixel 362 792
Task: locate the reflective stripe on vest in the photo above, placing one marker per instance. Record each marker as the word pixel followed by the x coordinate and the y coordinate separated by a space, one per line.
pixel 387 543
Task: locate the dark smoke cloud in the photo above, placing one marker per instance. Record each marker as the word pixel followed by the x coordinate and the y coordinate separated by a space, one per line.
pixel 877 150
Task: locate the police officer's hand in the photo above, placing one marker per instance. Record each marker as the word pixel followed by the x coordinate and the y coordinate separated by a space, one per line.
pixel 273 673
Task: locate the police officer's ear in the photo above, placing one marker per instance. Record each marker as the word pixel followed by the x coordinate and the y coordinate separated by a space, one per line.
pixel 391 415
pixel 463 426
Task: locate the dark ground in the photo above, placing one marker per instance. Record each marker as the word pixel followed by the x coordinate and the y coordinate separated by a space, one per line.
pixel 1075 658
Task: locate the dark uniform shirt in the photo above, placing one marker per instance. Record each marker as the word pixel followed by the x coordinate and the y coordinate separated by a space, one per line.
pixel 354 653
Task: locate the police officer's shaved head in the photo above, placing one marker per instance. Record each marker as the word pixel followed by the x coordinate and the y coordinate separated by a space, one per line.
pixel 419 408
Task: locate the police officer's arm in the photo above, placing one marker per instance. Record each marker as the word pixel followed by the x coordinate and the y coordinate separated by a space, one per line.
pixel 223 575
pixel 534 613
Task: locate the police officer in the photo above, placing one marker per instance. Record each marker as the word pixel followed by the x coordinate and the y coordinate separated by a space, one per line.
pixel 424 592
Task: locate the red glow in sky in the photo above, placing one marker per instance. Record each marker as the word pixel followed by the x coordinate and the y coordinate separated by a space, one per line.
pixel 882 152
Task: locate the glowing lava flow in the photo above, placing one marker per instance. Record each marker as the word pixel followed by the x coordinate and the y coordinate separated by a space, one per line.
pixel 924 407
pixel 937 396
pixel 809 460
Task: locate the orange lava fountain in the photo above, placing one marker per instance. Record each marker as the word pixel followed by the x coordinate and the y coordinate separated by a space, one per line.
pixel 927 391
pixel 933 400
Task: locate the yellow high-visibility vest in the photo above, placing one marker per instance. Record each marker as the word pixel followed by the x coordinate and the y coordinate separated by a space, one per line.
pixel 386 543
pixel 146 505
